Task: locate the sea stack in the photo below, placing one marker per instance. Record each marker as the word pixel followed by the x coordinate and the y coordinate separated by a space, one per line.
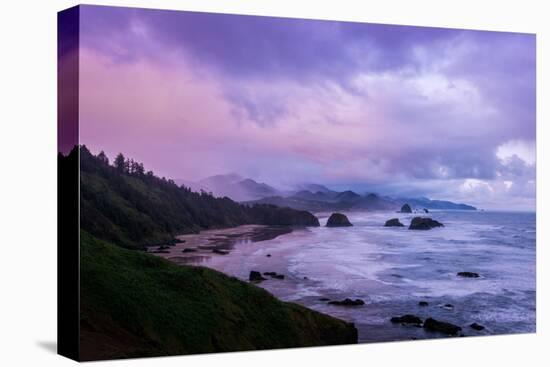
pixel 421 223
pixel 338 220
pixel 394 222
pixel 406 208
pixel 441 326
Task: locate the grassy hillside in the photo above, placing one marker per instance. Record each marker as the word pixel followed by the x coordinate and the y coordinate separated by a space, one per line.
pixel 133 208
pixel 134 304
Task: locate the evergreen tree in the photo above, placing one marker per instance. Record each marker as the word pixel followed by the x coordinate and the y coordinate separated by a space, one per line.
pixel 131 166
pixel 127 166
pixel 139 169
pixel 120 162
pixel 103 157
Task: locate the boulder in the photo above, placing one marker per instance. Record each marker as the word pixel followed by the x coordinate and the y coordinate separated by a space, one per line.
pixel 467 274
pixel 255 276
pixel 189 250
pixel 347 302
pixel 338 220
pixel 424 223
pixel 441 326
pixel 406 208
pixel 406 319
pixel 274 275
pixel 423 304
pixel 268 255
pixel 220 252
pixel 477 326
pixel 394 222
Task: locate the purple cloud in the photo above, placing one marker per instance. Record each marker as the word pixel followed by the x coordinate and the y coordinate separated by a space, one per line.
pixel 289 100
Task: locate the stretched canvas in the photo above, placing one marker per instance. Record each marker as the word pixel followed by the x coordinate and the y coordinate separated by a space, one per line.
pixel 232 183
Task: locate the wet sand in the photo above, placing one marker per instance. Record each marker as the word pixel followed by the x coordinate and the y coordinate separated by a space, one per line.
pixel 196 249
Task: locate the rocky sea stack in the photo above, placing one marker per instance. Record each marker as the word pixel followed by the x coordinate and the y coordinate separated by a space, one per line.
pixel 406 208
pixel 441 326
pixel 348 302
pixel 255 276
pixel 406 319
pixel 422 223
pixel 394 222
pixel 467 274
pixel 338 220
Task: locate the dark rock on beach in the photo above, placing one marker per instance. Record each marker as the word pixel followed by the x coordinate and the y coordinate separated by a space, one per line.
pixel 220 252
pixel 441 326
pixel 467 274
pixel 406 319
pixel 448 306
pixel 338 220
pixel 268 255
pixel 163 247
pixel 274 275
pixel 189 250
pixel 406 208
pixel 477 326
pixel 255 276
pixel 394 222
pixel 423 304
pixel 347 302
pixel 422 223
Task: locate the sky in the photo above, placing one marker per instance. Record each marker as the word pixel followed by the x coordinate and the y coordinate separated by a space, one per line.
pixel 397 110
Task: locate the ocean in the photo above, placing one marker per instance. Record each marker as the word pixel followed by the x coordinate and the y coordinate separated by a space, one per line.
pixel 392 269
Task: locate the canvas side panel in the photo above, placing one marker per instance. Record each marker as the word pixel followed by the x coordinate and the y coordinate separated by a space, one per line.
pixel 68 315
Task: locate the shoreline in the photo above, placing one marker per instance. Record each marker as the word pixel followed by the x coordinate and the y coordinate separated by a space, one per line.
pixel 193 249
pixel 376 264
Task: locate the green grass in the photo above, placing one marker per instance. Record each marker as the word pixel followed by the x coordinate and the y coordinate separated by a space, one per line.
pixel 134 304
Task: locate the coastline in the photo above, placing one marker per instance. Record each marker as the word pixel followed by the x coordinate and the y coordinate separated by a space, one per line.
pixel 193 249
pixel 391 269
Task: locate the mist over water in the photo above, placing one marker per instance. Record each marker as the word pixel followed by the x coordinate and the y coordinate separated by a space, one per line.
pixel 392 269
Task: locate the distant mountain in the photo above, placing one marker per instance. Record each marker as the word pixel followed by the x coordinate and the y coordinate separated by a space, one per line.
pixel 311 197
pixel 231 185
pixel 328 200
pixel 217 180
pixel 255 189
pixel 315 196
pixel 317 202
pixel 316 188
pixel 375 202
pixel 423 202
pixel 347 196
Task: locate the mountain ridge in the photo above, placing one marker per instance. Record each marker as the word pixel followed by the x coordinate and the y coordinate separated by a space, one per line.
pixel 312 197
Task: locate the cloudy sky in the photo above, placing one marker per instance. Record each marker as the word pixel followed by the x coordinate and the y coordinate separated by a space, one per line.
pixel 444 113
